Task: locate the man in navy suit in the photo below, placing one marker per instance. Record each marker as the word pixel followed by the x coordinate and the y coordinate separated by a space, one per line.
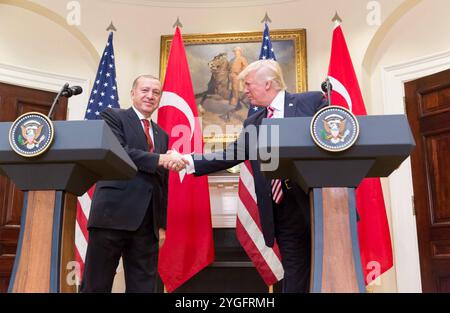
pixel 128 218
pixel 283 206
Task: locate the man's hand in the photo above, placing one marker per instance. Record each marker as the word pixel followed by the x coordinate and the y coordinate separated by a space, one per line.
pixel 173 161
pixel 162 237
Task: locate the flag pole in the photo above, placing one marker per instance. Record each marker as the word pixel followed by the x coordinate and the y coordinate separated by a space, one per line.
pixel 326 85
pixel 176 24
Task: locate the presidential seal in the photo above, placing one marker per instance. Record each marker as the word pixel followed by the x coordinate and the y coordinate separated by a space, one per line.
pixel 31 134
pixel 334 128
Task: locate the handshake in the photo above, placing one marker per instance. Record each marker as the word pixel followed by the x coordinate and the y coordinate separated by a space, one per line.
pixel 173 161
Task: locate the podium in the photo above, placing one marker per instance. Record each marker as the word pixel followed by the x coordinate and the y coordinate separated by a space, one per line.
pixel 330 178
pixel 83 152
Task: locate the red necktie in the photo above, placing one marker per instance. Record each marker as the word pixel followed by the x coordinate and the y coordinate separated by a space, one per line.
pixel 277 191
pixel 147 134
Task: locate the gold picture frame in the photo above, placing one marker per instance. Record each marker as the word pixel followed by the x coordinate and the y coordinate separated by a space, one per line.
pixel 203 50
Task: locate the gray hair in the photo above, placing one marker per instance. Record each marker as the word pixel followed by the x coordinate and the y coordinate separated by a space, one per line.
pixel 142 76
pixel 266 70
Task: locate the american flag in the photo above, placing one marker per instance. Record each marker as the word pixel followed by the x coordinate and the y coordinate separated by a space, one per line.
pixel 248 225
pixel 103 95
pixel 266 47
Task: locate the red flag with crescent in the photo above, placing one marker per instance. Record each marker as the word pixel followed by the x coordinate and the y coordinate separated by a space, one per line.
pixel 189 246
pixel 373 229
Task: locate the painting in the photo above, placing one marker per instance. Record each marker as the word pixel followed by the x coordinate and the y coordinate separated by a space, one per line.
pixel 215 61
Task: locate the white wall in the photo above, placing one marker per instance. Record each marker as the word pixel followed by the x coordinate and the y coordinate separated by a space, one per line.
pixel 137 41
pixel 31 40
pixel 414 47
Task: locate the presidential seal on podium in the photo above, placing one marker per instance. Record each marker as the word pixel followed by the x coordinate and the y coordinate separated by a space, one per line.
pixel 334 128
pixel 31 134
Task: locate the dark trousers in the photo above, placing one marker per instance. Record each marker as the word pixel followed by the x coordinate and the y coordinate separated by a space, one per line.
pixel 139 252
pixel 293 234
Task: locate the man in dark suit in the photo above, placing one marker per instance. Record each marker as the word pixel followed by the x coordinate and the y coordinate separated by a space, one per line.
pixel 127 218
pixel 283 206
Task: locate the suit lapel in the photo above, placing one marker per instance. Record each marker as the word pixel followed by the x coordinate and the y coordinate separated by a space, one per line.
pixel 156 138
pixel 258 116
pixel 136 125
pixel 289 105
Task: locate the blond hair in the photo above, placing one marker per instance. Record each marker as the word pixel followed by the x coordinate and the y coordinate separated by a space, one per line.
pixel 266 70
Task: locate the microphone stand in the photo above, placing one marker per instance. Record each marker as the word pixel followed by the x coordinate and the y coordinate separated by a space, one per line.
pixel 50 113
pixel 328 90
pixel 326 87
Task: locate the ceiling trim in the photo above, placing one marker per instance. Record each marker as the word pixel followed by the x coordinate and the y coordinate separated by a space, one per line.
pixel 199 3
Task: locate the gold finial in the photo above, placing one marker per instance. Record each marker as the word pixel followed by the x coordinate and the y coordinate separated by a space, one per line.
pixel 336 18
pixel 111 27
pixel 178 23
pixel 266 19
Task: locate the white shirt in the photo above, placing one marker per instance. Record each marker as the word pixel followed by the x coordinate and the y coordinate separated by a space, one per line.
pixel 278 106
pixel 141 117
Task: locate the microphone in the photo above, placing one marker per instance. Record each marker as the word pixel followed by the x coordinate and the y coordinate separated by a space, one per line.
pixel 71 91
pixel 67 92
pixel 327 87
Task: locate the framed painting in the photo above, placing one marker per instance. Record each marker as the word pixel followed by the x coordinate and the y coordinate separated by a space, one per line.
pixel 215 61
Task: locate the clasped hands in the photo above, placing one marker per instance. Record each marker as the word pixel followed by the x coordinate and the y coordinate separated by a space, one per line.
pixel 173 161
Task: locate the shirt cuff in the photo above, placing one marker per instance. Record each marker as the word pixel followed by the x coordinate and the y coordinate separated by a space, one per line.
pixel 190 168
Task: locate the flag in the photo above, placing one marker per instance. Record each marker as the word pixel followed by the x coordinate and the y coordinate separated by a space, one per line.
pixel 189 245
pixel 267 260
pixel 373 229
pixel 103 95
pixel 267 52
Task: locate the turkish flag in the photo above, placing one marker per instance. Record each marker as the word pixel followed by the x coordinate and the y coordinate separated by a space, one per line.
pixel 189 245
pixel 373 228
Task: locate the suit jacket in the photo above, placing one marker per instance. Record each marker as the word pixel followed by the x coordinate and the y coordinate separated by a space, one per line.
pixel 122 205
pixel 295 105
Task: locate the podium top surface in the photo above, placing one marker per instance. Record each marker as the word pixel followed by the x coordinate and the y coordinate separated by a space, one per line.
pixel 384 142
pixel 381 135
pixel 90 144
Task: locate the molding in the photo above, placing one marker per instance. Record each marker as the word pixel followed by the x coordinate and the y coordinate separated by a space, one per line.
pixel 32 78
pixel 224 199
pixel 199 4
pixel 223 221
pixel 404 231
pixel 223 179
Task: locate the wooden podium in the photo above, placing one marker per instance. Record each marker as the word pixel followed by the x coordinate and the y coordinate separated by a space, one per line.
pixel 331 178
pixel 82 153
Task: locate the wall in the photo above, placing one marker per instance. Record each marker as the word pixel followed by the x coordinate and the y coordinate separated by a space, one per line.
pixel 140 26
pixel 33 36
pixel 418 45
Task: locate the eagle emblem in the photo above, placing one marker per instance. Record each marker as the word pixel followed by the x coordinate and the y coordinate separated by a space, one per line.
pixel 31 134
pixel 335 128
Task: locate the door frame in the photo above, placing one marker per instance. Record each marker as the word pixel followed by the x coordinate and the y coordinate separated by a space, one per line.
pixel 31 78
pixel 404 228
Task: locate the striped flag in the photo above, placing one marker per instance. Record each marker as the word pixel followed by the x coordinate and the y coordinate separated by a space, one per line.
pixel 267 260
pixel 103 95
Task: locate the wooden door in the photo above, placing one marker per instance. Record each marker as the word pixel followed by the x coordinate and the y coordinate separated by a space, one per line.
pixel 15 101
pixel 428 110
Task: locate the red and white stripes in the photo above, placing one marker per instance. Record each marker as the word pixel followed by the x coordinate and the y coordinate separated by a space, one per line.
pixel 248 230
pixel 81 232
